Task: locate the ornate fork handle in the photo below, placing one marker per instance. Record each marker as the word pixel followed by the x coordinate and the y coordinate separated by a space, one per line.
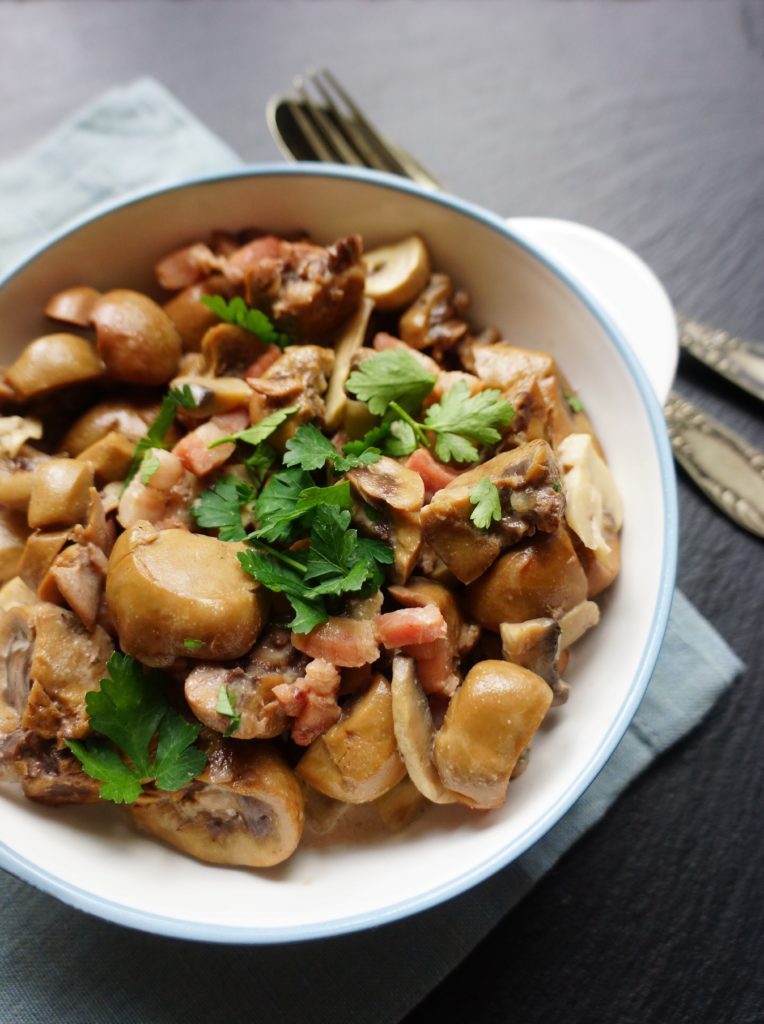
pixel 725 467
pixel 741 362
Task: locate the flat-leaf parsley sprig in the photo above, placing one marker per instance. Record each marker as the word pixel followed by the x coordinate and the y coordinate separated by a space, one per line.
pixel 148 464
pixel 237 312
pixel 141 736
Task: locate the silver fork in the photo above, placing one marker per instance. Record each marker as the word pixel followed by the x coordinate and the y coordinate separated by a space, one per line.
pixel 322 122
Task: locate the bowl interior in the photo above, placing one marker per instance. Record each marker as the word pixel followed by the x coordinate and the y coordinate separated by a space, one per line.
pixel 91 856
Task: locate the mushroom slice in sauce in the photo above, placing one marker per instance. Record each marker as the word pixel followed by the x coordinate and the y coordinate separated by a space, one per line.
pixel 536 645
pixel 246 808
pixel 528 481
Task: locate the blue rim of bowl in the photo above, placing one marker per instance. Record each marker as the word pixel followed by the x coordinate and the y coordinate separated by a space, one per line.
pixel 179 928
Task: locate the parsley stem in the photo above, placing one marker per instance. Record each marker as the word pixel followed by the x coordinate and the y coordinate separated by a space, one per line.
pixel 416 427
pixel 260 545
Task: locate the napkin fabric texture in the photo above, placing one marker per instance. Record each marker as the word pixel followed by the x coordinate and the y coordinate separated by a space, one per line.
pixel 58 964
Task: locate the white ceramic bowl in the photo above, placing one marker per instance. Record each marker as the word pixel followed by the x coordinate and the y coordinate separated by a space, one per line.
pixel 91 857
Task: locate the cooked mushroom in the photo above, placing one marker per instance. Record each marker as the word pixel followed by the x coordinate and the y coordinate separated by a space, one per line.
pixel 536 645
pixel 189 314
pixel 437 316
pixel 129 418
pixel 246 808
pixel 15 431
pixel 577 621
pixel 249 685
pixel 73 305
pixel 52 362
pixel 213 395
pixel 16 645
pixel 136 339
pixel 60 494
pixel 396 493
pixel 528 482
pixel 77 576
pixel 47 774
pixel 348 343
pixel 298 377
pixel 13 537
pixel 396 274
pixel 231 351
pixel 357 759
pixel 163 588
pixel 415 732
pixel 592 502
pixel 490 720
pixel 109 457
pixel 538 578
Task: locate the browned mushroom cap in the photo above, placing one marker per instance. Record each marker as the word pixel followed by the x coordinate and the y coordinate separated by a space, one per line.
pixel 16 475
pixel 189 314
pixel 13 536
pixel 48 662
pixel 538 578
pixel 129 418
pixel 530 493
pixel 52 362
pixel 163 588
pixel 537 645
pixel 357 759
pixel 397 493
pixel 246 808
pixel 136 339
pixel 213 395
pixel 109 457
pixel 490 720
pixel 396 274
pixel 230 350
pixel 73 305
pixel 437 316
pixel 60 494
pixel 47 774
pixel 41 548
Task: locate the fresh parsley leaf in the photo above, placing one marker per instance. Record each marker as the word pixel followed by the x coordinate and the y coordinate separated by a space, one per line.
pixel 374 438
pixel 574 402
pixel 259 463
pixel 258 431
pixel 338 561
pixel 220 507
pixel 238 312
pixel 176 398
pixel 390 376
pixel 282 579
pixel 313 497
pixel 121 784
pixel 277 502
pixel 485 497
pixel 226 705
pixel 460 419
pixel 310 450
pixel 191 644
pixel 129 709
pixel 402 440
pixel 149 466
pixel 556 486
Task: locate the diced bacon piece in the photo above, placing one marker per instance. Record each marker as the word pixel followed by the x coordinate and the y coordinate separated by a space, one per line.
pixel 185 267
pixel 261 364
pixel 434 666
pixel 311 701
pixel 411 626
pixel 447 379
pixel 348 643
pixel 383 342
pixel 249 255
pixel 434 474
pixel 194 450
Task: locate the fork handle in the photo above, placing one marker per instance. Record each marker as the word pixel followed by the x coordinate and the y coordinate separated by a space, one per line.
pixel 741 362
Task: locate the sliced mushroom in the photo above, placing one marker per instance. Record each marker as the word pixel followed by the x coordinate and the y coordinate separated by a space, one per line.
pixel 592 501
pixel 577 621
pixel 395 493
pixel 415 732
pixel 396 274
pixel 230 350
pixel 437 316
pixel 76 577
pixel 52 362
pixel 213 395
pixel 530 494
pixel 60 494
pixel 164 587
pixel 16 646
pixel 541 577
pixel 73 305
pixel 136 339
pixel 15 431
pixel 249 685
pixel 536 645
pixel 109 457
pixel 129 418
pixel 357 759
pixel 13 536
pixel 47 774
pixel 490 720
pixel 299 378
pixel 15 593
pixel 400 806
pixel 246 808
pixel 348 343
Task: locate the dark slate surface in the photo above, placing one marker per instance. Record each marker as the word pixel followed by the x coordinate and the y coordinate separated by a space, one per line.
pixel 644 119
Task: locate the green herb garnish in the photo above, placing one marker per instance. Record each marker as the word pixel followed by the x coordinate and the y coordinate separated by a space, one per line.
pixel 258 431
pixel 221 506
pixel 226 705
pixel 459 419
pixel 239 313
pixel 176 398
pixel 485 497
pixel 574 402
pixel 310 450
pixel 391 376
pixel 129 711
pixel 193 645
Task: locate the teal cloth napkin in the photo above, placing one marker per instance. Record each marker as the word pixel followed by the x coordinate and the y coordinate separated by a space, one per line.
pixel 58 964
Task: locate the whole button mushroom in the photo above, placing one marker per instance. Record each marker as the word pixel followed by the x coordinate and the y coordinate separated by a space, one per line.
pixel 52 362
pixel 136 339
pixel 165 587
pixel 490 720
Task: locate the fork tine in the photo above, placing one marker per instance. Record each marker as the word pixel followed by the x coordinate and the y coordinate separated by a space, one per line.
pixel 371 135
pixel 368 157
pixel 331 136
pixel 309 133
